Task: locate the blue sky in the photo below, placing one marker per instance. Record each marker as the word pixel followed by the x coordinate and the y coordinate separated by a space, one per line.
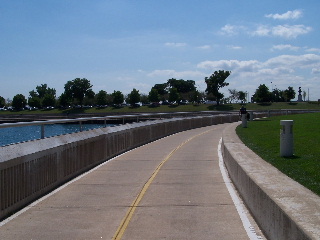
pixel 126 44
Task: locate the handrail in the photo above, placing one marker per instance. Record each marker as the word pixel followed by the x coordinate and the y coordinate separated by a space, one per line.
pixel 130 116
pixel 104 118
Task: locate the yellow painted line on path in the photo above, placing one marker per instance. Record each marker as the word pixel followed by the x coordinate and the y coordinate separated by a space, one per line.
pixel 124 223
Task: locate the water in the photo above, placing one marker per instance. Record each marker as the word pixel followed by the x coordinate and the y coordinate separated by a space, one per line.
pixel 21 134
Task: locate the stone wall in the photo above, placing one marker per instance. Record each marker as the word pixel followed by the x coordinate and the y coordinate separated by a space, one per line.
pixel 283 208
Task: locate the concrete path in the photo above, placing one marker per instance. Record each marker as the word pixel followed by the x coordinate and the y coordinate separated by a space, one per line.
pixel 168 189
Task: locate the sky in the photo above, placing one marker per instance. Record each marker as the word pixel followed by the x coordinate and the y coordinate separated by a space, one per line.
pixel 125 44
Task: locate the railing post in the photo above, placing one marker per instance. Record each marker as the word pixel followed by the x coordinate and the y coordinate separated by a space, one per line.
pixel 80 126
pixel 42 131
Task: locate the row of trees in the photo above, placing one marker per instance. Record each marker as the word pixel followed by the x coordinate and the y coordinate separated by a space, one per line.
pixel 262 94
pixel 78 92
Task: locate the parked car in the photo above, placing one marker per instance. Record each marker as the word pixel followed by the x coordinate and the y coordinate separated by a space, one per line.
pixel 184 102
pixel 210 102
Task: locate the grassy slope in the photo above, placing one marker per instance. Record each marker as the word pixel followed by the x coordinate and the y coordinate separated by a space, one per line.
pixel 263 137
pixel 180 108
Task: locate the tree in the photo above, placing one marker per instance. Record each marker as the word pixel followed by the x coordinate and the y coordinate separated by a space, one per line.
pixel 19 102
pixel 64 100
pixel 289 94
pixel 262 94
pixel 181 85
pixel 34 102
pixel 118 98
pixel 144 98
pixel 215 82
pixel 196 97
pixel 277 95
pixel 77 89
pixel 101 98
pixel 242 96
pixel 46 95
pixel 161 88
pixel 234 95
pixel 153 95
pixel 134 97
pixel 2 102
pixel 43 89
pixel 174 95
pixel 48 100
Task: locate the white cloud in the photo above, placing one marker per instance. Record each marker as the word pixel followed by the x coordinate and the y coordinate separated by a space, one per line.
pixel 231 65
pixel 284 31
pixel 294 61
pixel 315 71
pixel 288 31
pixel 313 50
pixel 204 47
pixel 235 47
pixel 231 30
pixel 283 71
pixel 262 31
pixel 283 65
pixel 285 16
pixel 284 47
pixel 174 44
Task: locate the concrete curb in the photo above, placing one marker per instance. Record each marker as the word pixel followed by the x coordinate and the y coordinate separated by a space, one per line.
pixel 283 208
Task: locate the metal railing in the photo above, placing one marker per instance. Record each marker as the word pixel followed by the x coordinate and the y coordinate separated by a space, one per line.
pixel 140 116
pixel 136 117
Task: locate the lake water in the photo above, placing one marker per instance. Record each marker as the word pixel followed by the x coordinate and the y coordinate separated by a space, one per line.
pixel 21 134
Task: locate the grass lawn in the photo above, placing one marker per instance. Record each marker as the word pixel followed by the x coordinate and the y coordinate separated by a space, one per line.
pixel 263 137
pixel 177 108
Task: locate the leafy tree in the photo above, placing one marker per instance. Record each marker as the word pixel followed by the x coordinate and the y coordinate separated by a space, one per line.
pixel 181 85
pixel 19 102
pixel 144 98
pixel 215 82
pixel 153 95
pixel 161 88
pixel 118 97
pixel 46 95
pixel 134 97
pixel 64 100
pixel 43 89
pixel 262 94
pixel 289 94
pixel 277 95
pixel 34 102
pixel 234 95
pixel 101 98
pixel 2 102
pixel 48 100
pixel 77 89
pixel 174 95
pixel 242 96
pixel 196 97
pixel 33 94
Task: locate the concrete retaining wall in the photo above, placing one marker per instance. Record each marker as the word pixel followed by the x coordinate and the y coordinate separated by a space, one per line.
pixel 283 208
pixel 31 169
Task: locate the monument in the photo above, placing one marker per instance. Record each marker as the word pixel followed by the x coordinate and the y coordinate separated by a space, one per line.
pixel 300 96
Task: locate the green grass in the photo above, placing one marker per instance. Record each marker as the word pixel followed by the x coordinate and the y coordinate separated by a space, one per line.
pixel 177 108
pixel 263 137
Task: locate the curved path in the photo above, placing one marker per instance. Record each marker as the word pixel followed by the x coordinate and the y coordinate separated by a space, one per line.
pixel 169 189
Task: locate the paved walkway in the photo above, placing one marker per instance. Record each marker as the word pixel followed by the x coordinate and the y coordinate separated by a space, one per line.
pixel 168 189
